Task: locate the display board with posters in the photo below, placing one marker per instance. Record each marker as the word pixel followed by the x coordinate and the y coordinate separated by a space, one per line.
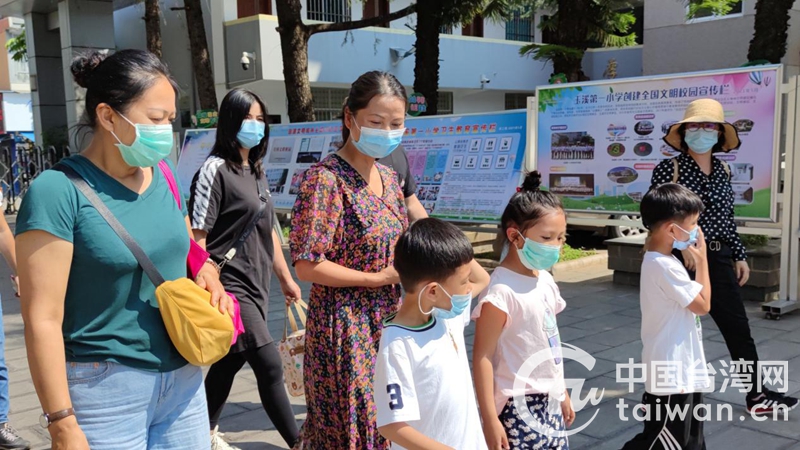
pixel 196 147
pixel 466 166
pixel 597 143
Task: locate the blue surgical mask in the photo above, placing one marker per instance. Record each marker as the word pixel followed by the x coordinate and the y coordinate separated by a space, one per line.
pixel 537 256
pixel 251 133
pixel 701 141
pixel 683 245
pixel 458 303
pixel 152 144
pixel 504 252
pixel 378 143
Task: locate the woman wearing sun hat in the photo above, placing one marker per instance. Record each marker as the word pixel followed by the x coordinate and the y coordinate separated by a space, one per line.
pixel 702 133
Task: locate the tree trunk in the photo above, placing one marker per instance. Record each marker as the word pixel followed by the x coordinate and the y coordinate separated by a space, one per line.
pixel 426 65
pixel 572 32
pixel 294 48
pixel 771 26
pixel 571 67
pixel 201 59
pixel 152 26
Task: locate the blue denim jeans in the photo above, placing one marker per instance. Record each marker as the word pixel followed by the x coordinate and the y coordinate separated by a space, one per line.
pixel 119 407
pixel 3 371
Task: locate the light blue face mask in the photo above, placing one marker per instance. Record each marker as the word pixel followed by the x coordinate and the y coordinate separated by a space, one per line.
pixel 536 256
pixel 683 245
pixel 378 143
pixel 251 133
pixel 152 144
pixel 504 252
pixel 458 303
pixel 701 141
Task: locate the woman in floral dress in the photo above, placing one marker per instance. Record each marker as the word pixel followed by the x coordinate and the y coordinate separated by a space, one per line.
pixel 347 217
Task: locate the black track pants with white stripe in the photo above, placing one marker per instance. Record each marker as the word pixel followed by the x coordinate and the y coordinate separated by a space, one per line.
pixel 671 423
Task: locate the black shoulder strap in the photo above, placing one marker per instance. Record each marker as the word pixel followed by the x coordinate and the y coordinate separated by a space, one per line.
pixel 249 229
pixel 87 191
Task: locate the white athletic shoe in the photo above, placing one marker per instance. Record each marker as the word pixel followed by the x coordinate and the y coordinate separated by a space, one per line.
pixel 217 443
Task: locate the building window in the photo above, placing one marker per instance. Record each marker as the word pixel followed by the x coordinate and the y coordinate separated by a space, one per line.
pixel 445 105
pixel 517 101
pixel 702 14
pixel 446 29
pixel 247 8
pixel 548 35
pixel 376 8
pixel 474 29
pixel 520 27
pixel 328 103
pixel 329 10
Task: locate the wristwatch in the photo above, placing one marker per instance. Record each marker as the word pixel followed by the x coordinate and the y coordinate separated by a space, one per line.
pixel 45 420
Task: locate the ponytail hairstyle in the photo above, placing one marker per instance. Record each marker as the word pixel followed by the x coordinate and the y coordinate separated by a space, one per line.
pixel 117 79
pixel 364 89
pixel 529 205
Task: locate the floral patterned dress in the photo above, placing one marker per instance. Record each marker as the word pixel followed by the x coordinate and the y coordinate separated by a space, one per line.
pixel 338 218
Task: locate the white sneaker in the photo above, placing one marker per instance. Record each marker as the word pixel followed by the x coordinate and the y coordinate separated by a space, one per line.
pixel 217 443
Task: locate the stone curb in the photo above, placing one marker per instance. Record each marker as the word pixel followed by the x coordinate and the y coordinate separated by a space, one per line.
pixel 600 258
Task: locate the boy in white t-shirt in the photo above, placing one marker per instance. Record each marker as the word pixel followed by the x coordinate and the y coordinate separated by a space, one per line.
pixel 423 387
pixel 675 365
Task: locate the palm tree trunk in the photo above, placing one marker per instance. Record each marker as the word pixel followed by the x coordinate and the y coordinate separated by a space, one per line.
pixel 294 48
pixel 201 59
pixel 152 26
pixel 571 32
pixel 426 65
pixel 771 26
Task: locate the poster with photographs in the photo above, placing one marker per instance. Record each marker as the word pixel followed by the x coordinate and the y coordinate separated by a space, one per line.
pixel 197 145
pixel 597 143
pixel 466 167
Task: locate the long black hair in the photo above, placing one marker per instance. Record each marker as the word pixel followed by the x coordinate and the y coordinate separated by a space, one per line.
pixel 364 89
pixel 117 80
pixel 232 112
pixel 529 205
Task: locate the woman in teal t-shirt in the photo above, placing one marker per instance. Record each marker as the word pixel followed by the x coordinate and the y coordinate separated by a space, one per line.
pixel 105 370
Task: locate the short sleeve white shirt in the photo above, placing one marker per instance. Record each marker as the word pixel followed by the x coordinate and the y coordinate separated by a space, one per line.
pixel 422 378
pixel 530 332
pixel 672 343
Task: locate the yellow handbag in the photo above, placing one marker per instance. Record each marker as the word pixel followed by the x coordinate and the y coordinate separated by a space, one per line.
pixel 198 330
pixel 200 333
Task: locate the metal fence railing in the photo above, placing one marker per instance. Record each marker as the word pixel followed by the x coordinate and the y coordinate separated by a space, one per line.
pixel 20 166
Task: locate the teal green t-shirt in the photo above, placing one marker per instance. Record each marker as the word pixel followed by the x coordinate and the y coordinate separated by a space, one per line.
pixel 110 310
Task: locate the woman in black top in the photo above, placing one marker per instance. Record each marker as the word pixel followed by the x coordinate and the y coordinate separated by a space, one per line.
pixel 229 193
pixel 701 133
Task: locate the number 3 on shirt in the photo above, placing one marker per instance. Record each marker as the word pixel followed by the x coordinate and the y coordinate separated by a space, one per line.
pixel 395 396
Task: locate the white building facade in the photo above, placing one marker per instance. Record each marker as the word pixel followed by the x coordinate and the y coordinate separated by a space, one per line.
pixel 485 50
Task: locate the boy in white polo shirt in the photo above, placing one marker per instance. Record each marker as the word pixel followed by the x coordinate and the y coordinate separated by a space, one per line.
pixel 675 365
pixel 423 386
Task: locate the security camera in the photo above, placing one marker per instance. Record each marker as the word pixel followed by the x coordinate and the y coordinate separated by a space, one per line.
pixel 246 57
pixel 485 79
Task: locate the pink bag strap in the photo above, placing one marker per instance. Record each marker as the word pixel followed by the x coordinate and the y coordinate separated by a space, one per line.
pixel 173 186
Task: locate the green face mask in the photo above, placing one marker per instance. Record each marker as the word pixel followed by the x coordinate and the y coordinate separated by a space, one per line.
pixel 152 144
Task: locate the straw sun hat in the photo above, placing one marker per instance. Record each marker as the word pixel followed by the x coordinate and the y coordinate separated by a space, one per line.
pixel 704 110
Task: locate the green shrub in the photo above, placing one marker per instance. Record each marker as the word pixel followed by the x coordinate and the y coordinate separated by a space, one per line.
pixel 754 240
pixel 570 254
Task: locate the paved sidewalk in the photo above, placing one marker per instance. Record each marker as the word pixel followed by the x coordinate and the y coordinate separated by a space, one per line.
pixel 601 318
